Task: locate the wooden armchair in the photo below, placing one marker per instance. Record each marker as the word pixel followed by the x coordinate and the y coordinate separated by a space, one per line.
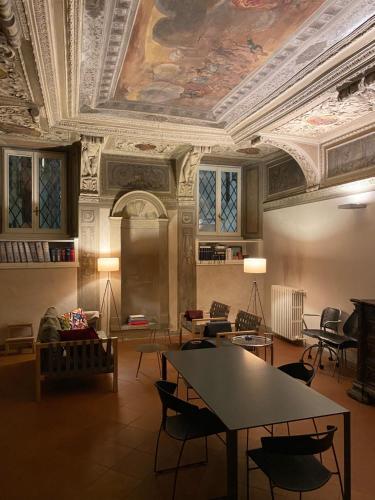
pixel 218 312
pixel 244 323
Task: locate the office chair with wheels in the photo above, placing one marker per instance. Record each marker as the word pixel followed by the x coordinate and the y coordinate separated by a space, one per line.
pixel 329 322
pixel 290 464
pixel 188 422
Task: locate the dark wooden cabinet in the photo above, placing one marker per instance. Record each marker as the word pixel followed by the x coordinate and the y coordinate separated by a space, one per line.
pixel 364 384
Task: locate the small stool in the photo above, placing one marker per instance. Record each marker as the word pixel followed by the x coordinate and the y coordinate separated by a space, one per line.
pixel 149 348
pixel 19 342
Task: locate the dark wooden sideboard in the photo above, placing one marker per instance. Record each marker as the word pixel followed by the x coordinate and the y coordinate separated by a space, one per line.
pixel 364 384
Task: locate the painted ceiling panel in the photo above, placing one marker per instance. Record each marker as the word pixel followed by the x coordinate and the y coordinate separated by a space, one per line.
pixel 191 54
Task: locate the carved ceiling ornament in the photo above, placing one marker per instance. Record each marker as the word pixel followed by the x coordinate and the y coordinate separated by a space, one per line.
pixel 91 148
pixel 308 167
pixel 187 167
pixel 9 24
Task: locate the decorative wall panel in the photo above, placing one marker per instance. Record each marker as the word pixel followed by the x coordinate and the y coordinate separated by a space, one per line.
pixel 284 176
pixel 350 157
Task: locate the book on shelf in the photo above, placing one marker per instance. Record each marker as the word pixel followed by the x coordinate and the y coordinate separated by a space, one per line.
pixel 9 250
pixel 3 252
pixel 29 257
pixel 21 248
pixel 16 252
pixel 33 251
pixel 47 257
pixel 39 251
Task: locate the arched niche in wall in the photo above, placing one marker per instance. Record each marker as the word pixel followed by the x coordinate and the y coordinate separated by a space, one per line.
pixel 139 236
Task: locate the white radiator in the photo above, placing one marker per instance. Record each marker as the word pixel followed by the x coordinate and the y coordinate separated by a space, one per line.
pixel 286 311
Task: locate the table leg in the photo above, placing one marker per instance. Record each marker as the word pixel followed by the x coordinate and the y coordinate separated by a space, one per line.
pixel 232 465
pixel 347 457
pixel 272 354
pixel 163 367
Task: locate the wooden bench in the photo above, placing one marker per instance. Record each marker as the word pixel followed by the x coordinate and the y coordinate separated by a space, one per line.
pixel 74 359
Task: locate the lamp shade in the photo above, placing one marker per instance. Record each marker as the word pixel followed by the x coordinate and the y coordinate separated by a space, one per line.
pixel 255 266
pixel 108 264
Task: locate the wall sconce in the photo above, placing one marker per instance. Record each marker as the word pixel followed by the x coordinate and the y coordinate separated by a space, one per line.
pixel 352 206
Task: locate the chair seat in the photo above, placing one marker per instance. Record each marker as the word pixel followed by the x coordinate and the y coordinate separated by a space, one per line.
pixel 190 426
pixel 338 341
pixel 313 333
pixel 291 472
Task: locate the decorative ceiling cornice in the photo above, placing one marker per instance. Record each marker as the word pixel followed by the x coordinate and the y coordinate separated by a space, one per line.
pixel 40 24
pixel 74 12
pixel 330 27
pixel 351 67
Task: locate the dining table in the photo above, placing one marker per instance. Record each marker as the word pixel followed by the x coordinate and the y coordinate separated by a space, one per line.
pixel 245 392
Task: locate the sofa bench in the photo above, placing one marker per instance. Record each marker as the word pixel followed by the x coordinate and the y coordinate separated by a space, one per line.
pixel 74 358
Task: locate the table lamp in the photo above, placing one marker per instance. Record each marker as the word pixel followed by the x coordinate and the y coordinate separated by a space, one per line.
pixel 253 265
pixel 108 265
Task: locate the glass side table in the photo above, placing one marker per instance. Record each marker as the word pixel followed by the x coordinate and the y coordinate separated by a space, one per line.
pixel 254 342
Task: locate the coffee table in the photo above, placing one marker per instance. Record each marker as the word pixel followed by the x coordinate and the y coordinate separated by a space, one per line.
pixel 253 342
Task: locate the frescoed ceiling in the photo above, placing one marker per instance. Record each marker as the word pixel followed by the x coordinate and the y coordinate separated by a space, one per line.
pixel 191 54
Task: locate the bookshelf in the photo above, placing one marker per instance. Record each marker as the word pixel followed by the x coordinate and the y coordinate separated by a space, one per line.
pixel 221 252
pixel 25 254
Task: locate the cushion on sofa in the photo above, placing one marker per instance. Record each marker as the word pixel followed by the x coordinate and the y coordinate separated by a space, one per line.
pixel 78 334
pixel 78 319
pixel 64 321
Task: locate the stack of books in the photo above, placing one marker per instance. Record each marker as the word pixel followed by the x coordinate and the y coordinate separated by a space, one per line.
pixel 137 320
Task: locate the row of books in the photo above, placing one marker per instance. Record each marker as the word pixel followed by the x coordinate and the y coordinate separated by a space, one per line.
pixel 219 252
pixel 137 320
pixel 34 251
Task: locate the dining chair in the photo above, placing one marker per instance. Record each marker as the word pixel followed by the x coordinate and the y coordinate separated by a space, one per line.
pixel 289 461
pixel 329 322
pixel 188 422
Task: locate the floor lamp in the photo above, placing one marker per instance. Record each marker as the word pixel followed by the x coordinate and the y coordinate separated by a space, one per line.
pixel 255 266
pixel 108 265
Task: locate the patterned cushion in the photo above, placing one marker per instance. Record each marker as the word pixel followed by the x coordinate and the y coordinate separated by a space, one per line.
pixel 77 319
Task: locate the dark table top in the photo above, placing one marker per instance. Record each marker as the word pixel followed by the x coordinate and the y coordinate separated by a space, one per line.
pixel 246 392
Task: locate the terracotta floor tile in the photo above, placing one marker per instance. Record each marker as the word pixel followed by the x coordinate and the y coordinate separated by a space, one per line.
pixel 82 442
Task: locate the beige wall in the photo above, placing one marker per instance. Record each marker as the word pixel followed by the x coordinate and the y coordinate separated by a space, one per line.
pixel 25 294
pixel 326 251
pixel 225 283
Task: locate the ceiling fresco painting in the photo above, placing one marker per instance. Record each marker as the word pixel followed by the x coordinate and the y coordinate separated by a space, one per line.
pixel 191 54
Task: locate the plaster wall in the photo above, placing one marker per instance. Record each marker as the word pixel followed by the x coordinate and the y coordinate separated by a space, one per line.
pixel 324 250
pixel 25 294
pixel 225 283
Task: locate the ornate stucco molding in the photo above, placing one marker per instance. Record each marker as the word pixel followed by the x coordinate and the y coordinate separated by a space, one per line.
pixel 91 148
pixel 9 24
pixel 74 20
pixel 308 167
pixel 187 166
pixel 350 68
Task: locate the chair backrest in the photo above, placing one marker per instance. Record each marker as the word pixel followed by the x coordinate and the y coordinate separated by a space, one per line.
pixel 304 444
pixel 330 314
pixel 246 321
pixel 197 344
pixel 350 327
pixel 301 371
pixel 170 402
pixel 219 310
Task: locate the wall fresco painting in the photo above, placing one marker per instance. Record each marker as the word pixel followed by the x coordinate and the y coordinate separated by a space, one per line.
pixel 193 53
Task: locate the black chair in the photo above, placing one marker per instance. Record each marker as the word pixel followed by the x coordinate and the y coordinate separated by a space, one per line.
pixel 188 346
pixel 341 342
pixel 189 422
pixel 301 371
pixel 329 322
pixel 290 464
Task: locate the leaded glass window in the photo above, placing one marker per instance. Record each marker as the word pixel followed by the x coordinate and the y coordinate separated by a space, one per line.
pixel 50 193
pixel 35 191
pixel 207 200
pixel 20 192
pixel 219 200
pixel 229 202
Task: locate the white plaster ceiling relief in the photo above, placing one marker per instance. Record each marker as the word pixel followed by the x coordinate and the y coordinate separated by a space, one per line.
pixel 331 114
pixel 142 148
pixel 320 38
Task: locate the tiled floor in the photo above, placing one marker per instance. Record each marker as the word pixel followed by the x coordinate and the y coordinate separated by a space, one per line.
pixel 84 442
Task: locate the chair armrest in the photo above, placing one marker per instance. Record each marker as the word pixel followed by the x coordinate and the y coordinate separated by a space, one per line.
pixel 308 314
pixel 225 334
pixel 329 322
